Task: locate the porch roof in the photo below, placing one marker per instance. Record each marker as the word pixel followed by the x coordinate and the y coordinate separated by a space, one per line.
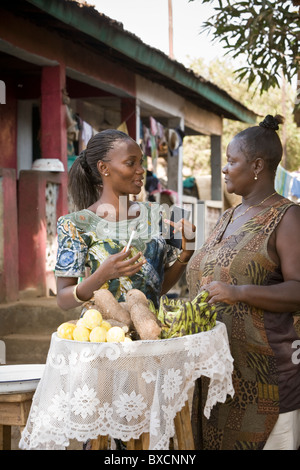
pixel 82 23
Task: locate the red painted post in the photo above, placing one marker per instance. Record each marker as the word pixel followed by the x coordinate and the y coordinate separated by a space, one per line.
pixel 53 124
pixel 33 230
pixel 128 114
pixel 8 126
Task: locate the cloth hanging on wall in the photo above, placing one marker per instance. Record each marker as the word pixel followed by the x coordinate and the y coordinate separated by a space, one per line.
pixel 287 184
pixel 295 189
pixel 86 133
pixel 283 182
pixel 154 141
pixel 153 126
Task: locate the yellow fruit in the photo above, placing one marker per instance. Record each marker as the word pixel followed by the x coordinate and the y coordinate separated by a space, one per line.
pixel 115 335
pixel 92 318
pixel 105 324
pixel 127 339
pixel 81 333
pixel 81 322
pixel 98 335
pixel 65 330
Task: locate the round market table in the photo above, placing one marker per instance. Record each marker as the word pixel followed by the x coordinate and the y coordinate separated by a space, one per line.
pixel 126 391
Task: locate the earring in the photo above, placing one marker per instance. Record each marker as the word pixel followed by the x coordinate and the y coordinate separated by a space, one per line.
pixel 105 174
pixel 255 177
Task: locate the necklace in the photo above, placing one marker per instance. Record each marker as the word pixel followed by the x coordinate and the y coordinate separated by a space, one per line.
pixel 251 207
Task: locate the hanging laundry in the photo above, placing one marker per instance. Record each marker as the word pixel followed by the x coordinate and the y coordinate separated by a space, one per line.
pixel 160 131
pixel 153 126
pixel 189 182
pixel 152 185
pixel 163 149
pixel 86 133
pixel 142 131
pixel 72 136
pixel 153 147
pixel 173 140
pixel 146 141
pixel 283 182
pixel 295 189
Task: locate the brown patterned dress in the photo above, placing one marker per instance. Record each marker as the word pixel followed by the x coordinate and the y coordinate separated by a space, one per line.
pixel 265 379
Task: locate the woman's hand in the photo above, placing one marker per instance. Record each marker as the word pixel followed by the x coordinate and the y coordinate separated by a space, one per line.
pixel 221 292
pixel 188 232
pixel 119 265
pixel 114 266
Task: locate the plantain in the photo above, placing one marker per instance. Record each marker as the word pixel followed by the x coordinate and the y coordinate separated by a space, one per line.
pixel 180 318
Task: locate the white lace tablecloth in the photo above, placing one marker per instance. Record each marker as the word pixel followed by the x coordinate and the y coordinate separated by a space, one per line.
pixel 124 389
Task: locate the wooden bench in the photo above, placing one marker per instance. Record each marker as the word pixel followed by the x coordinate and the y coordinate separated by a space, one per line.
pixel 14 411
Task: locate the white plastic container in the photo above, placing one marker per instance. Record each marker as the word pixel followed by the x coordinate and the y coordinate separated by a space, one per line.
pixel 20 378
pixel 48 164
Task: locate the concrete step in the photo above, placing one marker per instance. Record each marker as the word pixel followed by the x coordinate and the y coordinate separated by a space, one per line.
pixel 26 328
pixel 26 349
pixel 36 315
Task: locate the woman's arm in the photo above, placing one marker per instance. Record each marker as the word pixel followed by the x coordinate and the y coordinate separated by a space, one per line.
pixel 113 267
pixel 174 272
pixel 281 297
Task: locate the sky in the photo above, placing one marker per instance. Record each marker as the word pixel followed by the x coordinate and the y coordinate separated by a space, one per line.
pixel 149 20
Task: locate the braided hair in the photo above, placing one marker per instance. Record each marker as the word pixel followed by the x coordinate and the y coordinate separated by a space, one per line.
pixel 262 141
pixel 85 182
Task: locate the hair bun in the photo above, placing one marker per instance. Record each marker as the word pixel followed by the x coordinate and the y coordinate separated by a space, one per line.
pixel 83 162
pixel 272 122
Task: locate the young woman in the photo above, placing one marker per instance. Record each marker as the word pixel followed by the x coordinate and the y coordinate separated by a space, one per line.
pixel 101 181
pixel 250 266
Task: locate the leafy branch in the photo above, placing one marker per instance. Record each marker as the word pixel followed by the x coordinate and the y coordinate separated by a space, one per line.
pixel 265 32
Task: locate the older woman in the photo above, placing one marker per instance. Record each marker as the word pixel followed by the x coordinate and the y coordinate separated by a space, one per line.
pixel 250 266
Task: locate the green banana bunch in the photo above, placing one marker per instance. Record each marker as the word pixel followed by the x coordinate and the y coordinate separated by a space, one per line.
pixel 180 318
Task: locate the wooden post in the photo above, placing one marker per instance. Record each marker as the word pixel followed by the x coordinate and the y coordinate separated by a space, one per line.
pixel 128 115
pixel 9 283
pixel 183 428
pixel 101 443
pixel 216 168
pixel 14 411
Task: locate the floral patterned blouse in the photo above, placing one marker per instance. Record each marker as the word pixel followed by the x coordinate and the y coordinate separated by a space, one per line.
pixel 85 240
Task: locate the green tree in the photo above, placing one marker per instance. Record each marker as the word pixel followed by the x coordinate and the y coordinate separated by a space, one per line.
pixel 275 101
pixel 265 32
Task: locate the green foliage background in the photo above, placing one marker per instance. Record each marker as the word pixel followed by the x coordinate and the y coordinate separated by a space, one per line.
pixel 277 100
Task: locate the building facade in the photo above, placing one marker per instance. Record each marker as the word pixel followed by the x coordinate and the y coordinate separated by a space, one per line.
pixel 68 71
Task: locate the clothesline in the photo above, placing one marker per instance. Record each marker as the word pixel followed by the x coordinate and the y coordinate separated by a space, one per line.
pixel 287 184
pixel 79 132
pixel 158 140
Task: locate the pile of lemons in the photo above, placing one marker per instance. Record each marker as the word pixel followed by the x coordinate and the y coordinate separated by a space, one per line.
pixel 91 327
